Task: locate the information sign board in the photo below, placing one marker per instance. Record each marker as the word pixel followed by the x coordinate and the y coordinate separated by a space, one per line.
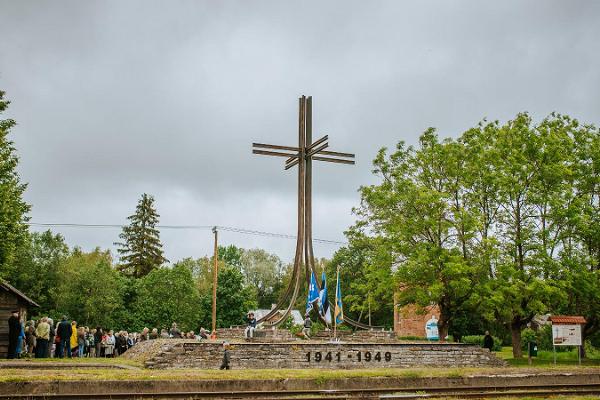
pixel 566 335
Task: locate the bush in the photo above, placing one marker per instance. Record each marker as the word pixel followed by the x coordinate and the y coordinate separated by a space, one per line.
pixel 478 340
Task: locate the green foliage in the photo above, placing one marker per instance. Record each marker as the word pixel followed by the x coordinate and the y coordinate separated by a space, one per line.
pixel 164 296
pixel 141 250
pixel 263 272
pixel 13 209
pixel 234 299
pixel 39 266
pixel 231 255
pixel 89 290
pixel 366 280
pixel 478 340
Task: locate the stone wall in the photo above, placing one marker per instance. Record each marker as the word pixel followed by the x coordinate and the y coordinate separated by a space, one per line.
pixel 305 354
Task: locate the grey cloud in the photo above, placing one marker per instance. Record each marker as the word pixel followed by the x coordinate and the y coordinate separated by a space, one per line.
pixel 114 98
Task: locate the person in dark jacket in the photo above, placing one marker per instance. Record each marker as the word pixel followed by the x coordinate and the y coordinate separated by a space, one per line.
pixel 14 330
pixel 121 343
pixel 488 341
pixel 64 331
pixel 98 341
pixel 226 357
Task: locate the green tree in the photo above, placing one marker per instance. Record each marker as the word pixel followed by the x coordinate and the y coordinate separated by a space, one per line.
pixel 89 289
pixel 39 267
pixel 262 271
pixel 141 250
pixel 421 227
pixel 13 209
pixel 164 296
pixel 231 255
pixel 234 299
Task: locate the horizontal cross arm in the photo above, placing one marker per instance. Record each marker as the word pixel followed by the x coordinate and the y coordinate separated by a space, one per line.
pixel 336 154
pixel 333 160
pixel 274 146
pixel 274 153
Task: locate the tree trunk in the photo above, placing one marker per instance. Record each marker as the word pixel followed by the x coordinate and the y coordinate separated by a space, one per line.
pixel 442 329
pixel 515 330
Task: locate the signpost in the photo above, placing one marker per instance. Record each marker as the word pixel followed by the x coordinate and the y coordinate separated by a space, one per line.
pixel 566 331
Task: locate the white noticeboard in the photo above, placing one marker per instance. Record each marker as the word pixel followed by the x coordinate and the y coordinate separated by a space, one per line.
pixel 566 335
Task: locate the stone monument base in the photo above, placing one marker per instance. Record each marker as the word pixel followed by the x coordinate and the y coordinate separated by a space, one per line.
pixel 313 354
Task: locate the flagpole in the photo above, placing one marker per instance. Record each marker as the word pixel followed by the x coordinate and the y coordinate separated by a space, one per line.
pixel 337 285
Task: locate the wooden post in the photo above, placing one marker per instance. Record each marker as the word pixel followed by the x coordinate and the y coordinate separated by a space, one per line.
pixel 214 294
pixel 369 299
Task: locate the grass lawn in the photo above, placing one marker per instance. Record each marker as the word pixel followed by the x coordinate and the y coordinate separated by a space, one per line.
pixel 546 358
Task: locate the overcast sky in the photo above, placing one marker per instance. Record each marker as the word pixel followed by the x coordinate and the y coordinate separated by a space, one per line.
pixel 117 98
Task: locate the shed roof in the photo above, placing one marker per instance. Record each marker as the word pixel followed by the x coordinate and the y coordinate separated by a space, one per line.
pixel 8 287
pixel 567 319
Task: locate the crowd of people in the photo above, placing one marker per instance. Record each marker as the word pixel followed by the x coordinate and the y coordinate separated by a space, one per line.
pixel 44 339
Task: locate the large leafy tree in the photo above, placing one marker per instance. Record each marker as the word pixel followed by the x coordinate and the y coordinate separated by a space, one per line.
pixel 262 271
pixel 421 227
pixel 141 249
pixel 13 209
pixel 164 296
pixel 90 290
pixel 234 299
pixel 39 268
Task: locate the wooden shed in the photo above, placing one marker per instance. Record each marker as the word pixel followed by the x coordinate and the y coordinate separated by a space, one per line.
pixel 11 299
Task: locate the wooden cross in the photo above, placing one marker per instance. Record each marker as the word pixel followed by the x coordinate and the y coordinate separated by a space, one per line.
pixel 302 156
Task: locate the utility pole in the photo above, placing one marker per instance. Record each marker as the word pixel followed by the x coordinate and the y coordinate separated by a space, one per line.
pixel 369 308
pixel 214 295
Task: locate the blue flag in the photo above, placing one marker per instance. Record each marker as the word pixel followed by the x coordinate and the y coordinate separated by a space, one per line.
pixel 324 303
pixel 339 309
pixel 313 292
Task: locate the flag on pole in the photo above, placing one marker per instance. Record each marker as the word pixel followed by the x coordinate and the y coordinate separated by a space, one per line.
pixel 313 292
pixel 339 309
pixel 324 303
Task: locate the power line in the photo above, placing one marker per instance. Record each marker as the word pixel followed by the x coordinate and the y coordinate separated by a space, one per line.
pixel 188 227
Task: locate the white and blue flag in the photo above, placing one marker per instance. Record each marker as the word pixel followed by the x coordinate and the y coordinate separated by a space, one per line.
pixel 313 292
pixel 324 303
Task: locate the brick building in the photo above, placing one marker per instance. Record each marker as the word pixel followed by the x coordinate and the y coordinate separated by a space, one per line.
pixel 410 320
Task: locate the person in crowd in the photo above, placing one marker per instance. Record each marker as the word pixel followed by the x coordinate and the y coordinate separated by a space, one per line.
pixel 49 351
pixel 122 342
pixel 73 341
pixel 144 335
pixel 90 342
pixel 488 341
pixel 14 331
pixel 80 342
pixel 21 341
pixel 110 342
pixel 98 341
pixel 43 337
pixel 203 334
pixel 131 340
pixel 64 332
pixel 249 332
pixel 30 338
pixel 175 333
pixel 307 326
pixel 164 334
pixel 154 334
pixel 226 357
